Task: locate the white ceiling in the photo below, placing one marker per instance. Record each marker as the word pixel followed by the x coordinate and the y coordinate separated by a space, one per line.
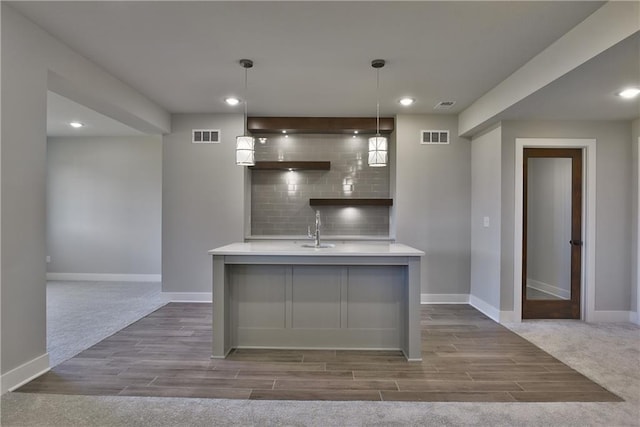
pixel 61 111
pixel 313 58
pixel 589 92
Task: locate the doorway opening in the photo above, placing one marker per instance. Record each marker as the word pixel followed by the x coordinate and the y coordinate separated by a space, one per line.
pixel 103 226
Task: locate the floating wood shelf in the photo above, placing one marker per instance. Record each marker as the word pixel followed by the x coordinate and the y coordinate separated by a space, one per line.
pixel 350 202
pixel 319 125
pixel 292 166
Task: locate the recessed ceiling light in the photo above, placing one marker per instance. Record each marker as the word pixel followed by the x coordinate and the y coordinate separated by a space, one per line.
pixel 629 93
pixel 76 124
pixel 284 131
pixel 406 101
pixel 232 100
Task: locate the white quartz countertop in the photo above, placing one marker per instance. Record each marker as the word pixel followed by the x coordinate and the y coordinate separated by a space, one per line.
pixel 296 249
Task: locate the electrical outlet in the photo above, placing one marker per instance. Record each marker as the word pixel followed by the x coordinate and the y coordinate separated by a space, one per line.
pixel 485 221
pixel 48 259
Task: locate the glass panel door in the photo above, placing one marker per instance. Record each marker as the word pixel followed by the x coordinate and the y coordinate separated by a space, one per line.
pixel 548 229
pixel 552 230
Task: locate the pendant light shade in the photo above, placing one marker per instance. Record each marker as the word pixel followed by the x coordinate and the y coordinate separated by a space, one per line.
pixel 245 144
pixel 378 145
pixel 245 151
pixel 378 151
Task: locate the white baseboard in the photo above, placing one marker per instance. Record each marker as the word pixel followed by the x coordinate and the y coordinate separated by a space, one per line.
pixel 477 303
pixel 492 312
pixel 608 316
pixel 444 299
pixel 511 317
pixel 91 277
pixel 188 296
pixel 549 289
pixel 484 307
pixel 24 373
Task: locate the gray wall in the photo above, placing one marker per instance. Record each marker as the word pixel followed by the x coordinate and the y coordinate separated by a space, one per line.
pixel 613 203
pixel 635 221
pixel 28 55
pixel 433 201
pixel 23 198
pixel 485 202
pixel 280 199
pixel 202 199
pixel 104 204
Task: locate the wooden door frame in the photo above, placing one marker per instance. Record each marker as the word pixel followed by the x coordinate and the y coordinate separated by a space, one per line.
pixel 588 147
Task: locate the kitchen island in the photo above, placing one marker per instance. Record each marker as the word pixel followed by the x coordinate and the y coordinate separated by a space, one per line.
pixel 283 295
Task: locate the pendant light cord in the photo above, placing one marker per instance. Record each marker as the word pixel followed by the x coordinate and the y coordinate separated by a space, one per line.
pixel 246 91
pixel 377 64
pixel 377 101
pixel 246 64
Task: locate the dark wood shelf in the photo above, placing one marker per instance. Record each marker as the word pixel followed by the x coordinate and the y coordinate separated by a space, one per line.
pixel 350 202
pixel 292 166
pixel 319 125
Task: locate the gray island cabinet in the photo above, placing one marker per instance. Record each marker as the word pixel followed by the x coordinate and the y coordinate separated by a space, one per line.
pixel 282 295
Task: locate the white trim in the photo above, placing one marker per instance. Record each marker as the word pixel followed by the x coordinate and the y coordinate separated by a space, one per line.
pixel 492 312
pixel 637 312
pixel 610 316
pixel 187 296
pixel 484 307
pixel 444 298
pixel 549 289
pixel 92 277
pixel 511 316
pixel 588 219
pixel 24 373
pixel 634 317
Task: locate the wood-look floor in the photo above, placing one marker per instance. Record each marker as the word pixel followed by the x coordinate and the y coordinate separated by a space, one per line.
pixel 466 357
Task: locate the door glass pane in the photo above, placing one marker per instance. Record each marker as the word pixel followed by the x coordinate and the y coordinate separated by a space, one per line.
pixel 548 229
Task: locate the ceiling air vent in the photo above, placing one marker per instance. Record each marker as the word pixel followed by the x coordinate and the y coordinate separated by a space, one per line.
pixel 205 136
pixel 434 137
pixel 444 105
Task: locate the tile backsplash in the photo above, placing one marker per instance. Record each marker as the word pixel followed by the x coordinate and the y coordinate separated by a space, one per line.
pixel 280 199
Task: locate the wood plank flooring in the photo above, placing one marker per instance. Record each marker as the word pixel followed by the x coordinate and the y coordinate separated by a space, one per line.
pixel 467 357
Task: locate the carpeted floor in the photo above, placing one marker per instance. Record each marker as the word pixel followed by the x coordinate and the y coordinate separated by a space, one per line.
pixel 81 314
pixel 607 353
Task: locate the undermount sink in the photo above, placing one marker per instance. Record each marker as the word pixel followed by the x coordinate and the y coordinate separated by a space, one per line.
pixel 322 245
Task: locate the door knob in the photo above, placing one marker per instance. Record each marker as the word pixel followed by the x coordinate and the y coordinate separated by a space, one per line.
pixel 575 242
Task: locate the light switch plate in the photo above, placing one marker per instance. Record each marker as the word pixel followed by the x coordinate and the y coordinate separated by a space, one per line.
pixel 485 221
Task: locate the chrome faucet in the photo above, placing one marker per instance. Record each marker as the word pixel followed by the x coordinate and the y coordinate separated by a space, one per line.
pixel 315 235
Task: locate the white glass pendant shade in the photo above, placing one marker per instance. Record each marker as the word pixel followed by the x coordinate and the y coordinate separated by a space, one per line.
pixel 245 154
pixel 245 145
pixel 378 149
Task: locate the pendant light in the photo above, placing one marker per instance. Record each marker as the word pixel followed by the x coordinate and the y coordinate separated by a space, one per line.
pixel 378 146
pixel 245 152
